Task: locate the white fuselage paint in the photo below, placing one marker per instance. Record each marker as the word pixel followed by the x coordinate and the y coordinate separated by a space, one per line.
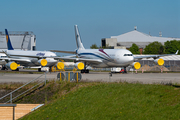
pixel 2 55
pixel 109 57
pixel 34 61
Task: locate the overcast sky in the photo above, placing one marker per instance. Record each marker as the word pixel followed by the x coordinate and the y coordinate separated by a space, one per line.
pixel 52 21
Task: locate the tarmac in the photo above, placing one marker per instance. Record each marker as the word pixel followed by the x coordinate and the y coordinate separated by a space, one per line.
pixel 144 78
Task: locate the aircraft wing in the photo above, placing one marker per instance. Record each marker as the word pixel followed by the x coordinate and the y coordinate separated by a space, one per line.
pixel 16 60
pixel 39 57
pixel 31 56
pixel 79 59
pixel 154 56
pixel 70 52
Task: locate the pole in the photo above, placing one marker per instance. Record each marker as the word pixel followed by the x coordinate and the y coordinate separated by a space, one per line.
pixel 11 98
pixel 45 78
pixel 77 77
pixel 60 76
pixel 69 76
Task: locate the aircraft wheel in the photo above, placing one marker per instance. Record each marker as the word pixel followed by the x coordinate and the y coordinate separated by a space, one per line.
pixel 39 69
pixel 3 68
pixel 82 71
pixel 86 71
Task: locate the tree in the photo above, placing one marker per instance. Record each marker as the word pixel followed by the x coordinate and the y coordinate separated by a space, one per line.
pixel 94 46
pixel 172 46
pixel 134 49
pixel 154 48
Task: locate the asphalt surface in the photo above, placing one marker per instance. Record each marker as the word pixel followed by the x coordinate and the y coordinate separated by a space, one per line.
pixel 145 78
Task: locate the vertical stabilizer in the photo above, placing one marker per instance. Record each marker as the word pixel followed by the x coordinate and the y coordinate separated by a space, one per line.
pixel 78 38
pixel 8 41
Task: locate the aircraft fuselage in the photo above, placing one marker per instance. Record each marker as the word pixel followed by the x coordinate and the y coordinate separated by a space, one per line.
pixel 110 57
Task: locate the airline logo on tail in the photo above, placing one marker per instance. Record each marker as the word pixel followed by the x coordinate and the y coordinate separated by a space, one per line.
pixel 8 41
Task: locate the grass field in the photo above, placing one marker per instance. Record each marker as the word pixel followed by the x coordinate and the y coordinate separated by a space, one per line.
pixel 105 101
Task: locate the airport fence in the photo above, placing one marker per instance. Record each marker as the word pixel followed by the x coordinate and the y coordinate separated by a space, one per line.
pixel 170 65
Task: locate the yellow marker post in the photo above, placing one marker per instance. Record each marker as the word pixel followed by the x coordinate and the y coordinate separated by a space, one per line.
pixel 69 77
pixel 77 77
pixel 60 76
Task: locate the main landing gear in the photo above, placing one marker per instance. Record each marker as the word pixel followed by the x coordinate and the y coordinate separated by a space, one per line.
pixel 85 70
pixel 39 69
pixel 3 68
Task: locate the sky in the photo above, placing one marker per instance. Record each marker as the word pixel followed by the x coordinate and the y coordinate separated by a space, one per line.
pixel 52 21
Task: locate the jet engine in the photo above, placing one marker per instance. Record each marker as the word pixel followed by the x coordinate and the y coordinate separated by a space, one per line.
pixel 79 65
pixel 12 65
pixel 136 65
pixel 60 65
pixel 159 61
pixel 42 62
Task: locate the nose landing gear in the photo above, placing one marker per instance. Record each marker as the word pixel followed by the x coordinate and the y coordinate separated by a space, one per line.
pixel 125 70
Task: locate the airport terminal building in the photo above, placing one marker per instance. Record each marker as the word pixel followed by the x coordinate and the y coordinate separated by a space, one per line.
pixel 21 40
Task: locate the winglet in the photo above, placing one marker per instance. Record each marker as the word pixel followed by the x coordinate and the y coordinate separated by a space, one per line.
pixel 8 41
pixel 176 52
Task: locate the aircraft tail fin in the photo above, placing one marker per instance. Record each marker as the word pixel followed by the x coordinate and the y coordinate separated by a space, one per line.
pixel 78 38
pixel 9 45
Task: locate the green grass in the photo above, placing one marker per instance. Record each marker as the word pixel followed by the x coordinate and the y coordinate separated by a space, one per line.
pixel 105 101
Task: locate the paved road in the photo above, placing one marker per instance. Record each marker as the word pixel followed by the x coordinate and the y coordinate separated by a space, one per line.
pixel 145 78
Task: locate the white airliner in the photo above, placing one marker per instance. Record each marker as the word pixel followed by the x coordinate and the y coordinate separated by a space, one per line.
pixel 28 58
pixel 106 58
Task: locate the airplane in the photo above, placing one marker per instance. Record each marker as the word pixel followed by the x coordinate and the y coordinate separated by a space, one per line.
pixel 106 58
pixel 28 58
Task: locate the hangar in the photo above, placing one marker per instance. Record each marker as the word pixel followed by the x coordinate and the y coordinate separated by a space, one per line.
pixel 139 38
pixel 21 40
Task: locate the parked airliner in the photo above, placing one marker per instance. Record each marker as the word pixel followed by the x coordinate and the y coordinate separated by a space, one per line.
pixel 106 58
pixel 28 58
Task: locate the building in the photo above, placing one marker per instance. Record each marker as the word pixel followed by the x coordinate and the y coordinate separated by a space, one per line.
pixel 139 38
pixel 20 40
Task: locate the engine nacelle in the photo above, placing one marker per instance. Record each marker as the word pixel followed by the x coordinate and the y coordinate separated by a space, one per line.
pixel 159 61
pixel 42 62
pixel 79 65
pixel 60 65
pixel 12 65
pixel 136 65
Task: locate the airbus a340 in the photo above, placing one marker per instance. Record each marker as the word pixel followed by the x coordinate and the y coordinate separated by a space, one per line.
pixel 106 58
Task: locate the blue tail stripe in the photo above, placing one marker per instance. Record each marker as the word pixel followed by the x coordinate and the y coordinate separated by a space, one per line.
pixel 9 45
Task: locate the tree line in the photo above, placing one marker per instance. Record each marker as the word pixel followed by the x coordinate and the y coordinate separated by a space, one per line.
pixel 156 47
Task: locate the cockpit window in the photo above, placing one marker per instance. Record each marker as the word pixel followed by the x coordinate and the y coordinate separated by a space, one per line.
pixel 128 55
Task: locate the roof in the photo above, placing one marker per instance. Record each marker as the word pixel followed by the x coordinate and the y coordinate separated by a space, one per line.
pixel 136 36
